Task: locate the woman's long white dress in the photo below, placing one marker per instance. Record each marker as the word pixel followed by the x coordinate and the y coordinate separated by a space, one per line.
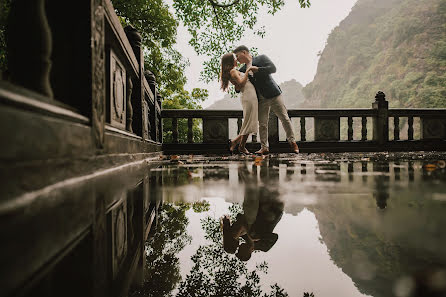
pixel 250 109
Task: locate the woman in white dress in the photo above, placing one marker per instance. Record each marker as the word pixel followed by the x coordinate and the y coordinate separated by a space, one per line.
pixel 250 125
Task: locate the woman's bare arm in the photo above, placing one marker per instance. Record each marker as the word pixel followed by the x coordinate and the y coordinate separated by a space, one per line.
pixel 239 81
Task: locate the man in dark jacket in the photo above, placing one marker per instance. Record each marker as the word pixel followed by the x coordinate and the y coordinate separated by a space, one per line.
pixel 268 94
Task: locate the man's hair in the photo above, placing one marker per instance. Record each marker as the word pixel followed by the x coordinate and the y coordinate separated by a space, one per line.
pixel 241 48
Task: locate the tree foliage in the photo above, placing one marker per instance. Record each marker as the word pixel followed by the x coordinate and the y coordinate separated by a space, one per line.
pixel 158 29
pixel 216 27
pixel 163 270
pixel 217 273
pixel 179 100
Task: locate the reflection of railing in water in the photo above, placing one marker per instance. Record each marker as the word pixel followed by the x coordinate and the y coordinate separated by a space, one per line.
pixel 350 193
pixel 83 237
pixel 327 129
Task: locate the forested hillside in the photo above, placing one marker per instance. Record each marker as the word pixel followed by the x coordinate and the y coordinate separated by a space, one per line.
pixel 397 46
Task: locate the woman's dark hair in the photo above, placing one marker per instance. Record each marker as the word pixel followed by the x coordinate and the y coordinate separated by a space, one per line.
pixel 241 48
pixel 227 63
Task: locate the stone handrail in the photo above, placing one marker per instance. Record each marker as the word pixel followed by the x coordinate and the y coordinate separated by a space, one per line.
pixel 326 128
pixel 94 69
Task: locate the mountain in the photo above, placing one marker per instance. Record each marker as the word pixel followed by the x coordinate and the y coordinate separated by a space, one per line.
pixel 397 46
pixel 292 96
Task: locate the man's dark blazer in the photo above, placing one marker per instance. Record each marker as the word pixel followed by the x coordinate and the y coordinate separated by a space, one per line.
pixel 262 80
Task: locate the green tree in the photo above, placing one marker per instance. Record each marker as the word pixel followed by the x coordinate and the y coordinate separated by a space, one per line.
pixel 217 273
pixel 163 270
pixel 184 100
pixel 158 29
pixel 216 26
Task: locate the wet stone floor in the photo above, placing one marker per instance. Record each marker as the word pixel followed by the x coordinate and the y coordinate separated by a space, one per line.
pixel 307 225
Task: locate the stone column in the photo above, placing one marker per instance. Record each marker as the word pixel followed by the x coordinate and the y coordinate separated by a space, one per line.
pixel 381 120
pixel 29 46
pixel 98 83
pixel 138 90
pixel 153 119
pixel 158 120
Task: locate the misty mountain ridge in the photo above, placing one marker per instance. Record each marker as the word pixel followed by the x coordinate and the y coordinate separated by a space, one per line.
pixel 397 46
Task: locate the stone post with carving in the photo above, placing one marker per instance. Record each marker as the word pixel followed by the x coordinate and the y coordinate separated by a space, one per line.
pixel 158 120
pixel 29 46
pixel 153 120
pixel 381 120
pixel 138 90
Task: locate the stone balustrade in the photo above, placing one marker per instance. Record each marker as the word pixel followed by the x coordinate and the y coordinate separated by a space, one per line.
pixel 75 101
pixel 325 126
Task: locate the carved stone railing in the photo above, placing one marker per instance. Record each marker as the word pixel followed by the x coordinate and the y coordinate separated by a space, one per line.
pixel 75 100
pixel 326 127
pixel 92 70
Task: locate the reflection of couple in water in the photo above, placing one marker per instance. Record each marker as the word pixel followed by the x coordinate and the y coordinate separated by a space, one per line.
pixel 262 210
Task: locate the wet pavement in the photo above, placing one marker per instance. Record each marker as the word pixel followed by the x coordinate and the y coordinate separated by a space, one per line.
pixel 321 224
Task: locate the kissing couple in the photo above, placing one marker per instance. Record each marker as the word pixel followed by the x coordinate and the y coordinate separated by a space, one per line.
pixel 259 94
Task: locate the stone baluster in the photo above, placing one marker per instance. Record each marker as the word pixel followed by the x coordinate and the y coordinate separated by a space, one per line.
pixel 396 128
pixel 158 120
pixel 239 125
pixel 29 45
pixel 174 130
pixel 410 129
pixel 303 130
pixel 364 129
pixel 129 109
pixel 350 128
pixel 154 117
pixel 138 90
pixel 190 134
pixel 381 120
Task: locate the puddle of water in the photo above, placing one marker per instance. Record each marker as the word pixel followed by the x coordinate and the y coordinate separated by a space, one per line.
pixel 331 228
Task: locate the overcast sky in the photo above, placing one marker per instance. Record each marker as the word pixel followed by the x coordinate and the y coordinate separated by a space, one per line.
pixel 293 38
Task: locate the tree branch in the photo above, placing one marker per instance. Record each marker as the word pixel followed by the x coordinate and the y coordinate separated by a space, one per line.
pixel 214 3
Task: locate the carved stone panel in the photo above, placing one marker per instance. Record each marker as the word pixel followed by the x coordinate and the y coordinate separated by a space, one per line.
pixel 117 92
pixel 432 128
pixel 326 128
pixel 215 130
pixel 119 234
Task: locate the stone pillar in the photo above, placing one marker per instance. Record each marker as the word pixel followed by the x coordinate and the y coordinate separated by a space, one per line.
pixel 138 90
pixel 98 83
pixel 29 46
pixel 153 119
pixel 129 109
pixel 381 120
pixel 158 120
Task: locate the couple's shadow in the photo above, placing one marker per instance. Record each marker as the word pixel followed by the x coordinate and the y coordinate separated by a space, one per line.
pixel 253 229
